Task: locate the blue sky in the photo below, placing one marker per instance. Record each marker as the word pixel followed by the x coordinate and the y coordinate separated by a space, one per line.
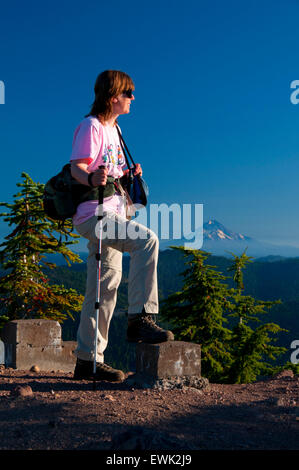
pixel 212 122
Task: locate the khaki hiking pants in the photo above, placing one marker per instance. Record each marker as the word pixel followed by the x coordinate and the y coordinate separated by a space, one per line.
pixel 119 235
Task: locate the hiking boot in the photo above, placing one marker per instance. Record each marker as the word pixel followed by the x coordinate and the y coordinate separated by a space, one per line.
pixel 143 328
pixel 84 371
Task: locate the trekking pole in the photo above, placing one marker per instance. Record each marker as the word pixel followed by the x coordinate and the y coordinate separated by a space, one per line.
pixel 98 258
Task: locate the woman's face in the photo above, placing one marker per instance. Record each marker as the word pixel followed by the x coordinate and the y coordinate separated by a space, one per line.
pixel 121 103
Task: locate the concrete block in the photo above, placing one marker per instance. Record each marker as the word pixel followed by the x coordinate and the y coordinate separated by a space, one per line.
pixel 47 358
pixel 36 333
pixel 68 359
pixel 37 342
pixel 171 358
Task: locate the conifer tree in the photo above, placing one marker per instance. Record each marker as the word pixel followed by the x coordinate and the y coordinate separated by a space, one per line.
pixel 25 291
pixel 197 313
pixel 250 347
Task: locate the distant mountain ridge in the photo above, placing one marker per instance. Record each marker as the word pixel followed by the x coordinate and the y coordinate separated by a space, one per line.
pixel 214 230
pixel 221 241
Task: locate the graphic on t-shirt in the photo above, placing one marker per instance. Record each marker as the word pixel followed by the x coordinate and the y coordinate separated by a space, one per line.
pixel 112 154
pixel 120 157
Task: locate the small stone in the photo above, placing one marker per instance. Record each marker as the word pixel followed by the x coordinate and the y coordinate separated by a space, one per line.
pixel 280 402
pixel 109 397
pixel 35 369
pixel 23 391
pixel 284 373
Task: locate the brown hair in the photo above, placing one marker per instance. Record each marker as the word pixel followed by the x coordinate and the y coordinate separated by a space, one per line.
pixel 109 84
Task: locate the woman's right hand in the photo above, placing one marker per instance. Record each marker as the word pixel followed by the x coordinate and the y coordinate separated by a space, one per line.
pixel 99 177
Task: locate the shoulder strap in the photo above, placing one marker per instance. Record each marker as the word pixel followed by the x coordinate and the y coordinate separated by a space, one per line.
pixel 125 148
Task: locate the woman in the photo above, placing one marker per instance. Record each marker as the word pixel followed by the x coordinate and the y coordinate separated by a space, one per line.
pixel 96 143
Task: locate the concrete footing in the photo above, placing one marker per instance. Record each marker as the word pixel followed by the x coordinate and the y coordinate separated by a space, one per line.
pixel 168 359
pixel 169 365
pixel 172 364
pixel 37 342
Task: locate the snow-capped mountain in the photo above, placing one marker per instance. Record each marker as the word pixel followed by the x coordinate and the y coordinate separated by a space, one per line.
pixel 221 241
pixel 214 230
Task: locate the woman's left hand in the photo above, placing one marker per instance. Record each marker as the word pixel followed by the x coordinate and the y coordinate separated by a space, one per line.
pixel 138 169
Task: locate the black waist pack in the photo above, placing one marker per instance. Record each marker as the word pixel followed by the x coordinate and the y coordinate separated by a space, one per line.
pixel 63 193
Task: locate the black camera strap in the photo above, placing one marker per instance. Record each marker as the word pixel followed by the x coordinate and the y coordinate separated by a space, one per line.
pixel 125 148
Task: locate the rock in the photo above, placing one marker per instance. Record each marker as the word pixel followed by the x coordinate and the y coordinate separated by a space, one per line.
pixel 22 391
pixel 284 373
pixel 168 383
pixel 280 402
pixel 108 397
pixel 35 369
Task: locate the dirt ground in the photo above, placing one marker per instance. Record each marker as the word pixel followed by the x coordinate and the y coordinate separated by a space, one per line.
pixel 51 411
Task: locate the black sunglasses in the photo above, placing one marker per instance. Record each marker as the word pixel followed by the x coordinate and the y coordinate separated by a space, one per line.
pixel 128 93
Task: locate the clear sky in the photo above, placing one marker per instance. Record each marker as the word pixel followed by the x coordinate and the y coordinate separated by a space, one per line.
pixel 212 121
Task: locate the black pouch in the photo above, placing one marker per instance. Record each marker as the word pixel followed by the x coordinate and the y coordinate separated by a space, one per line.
pixel 63 194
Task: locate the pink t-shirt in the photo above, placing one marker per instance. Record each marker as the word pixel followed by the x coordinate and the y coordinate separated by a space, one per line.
pixel 100 145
